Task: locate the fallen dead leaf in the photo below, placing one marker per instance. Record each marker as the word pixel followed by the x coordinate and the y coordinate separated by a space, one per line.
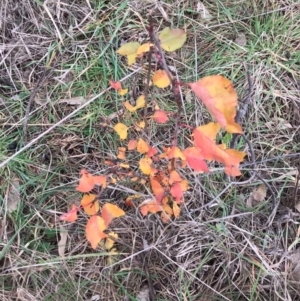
pixel 297 206
pixel 204 12
pixel 63 241
pixel 144 294
pixel 241 40
pixel 13 198
pixel 257 196
pixel 260 193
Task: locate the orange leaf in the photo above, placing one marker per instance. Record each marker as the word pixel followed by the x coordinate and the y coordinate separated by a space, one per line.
pixel 176 209
pixel 168 209
pixel 160 116
pixel 184 184
pixel 162 178
pixel 172 39
pixel 142 146
pixel 165 217
pixel 86 182
pixel 151 206
pixel 111 211
pixel 143 48
pixel 157 189
pixel 220 98
pixel 174 177
pixel 70 216
pixel 90 204
pixel 94 230
pixel 121 154
pixel 115 85
pixel 132 144
pixel 100 180
pixel 160 79
pixel 195 159
pixel 173 152
pixel 145 166
pixel 210 151
pixel 121 130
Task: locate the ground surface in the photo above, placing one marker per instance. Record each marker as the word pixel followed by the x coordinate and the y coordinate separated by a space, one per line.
pixel 232 249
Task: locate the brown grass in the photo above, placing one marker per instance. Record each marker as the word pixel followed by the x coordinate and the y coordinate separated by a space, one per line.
pixel 219 248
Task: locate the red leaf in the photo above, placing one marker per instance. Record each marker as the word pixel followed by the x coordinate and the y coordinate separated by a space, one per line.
pixel 70 216
pixel 195 159
pixel 177 192
pixel 220 98
pixel 115 85
pixel 151 151
pixel 160 116
pixel 132 144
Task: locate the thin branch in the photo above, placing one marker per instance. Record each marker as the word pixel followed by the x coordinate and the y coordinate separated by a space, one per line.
pixel 149 70
pixel 174 82
pixel 243 106
pixel 31 98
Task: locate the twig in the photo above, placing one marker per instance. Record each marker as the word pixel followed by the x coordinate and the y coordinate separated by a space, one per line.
pixel 244 106
pixel 174 82
pixel 149 70
pixel 32 96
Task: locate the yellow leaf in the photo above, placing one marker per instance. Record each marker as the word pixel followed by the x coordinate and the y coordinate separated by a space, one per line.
pixel 129 50
pixel 144 48
pixel 210 130
pixel 176 209
pixel 129 107
pixel 122 91
pixel 121 130
pixel 109 212
pixel 142 146
pixel 140 102
pixel 89 204
pixel 172 39
pixel 160 79
pixel 109 241
pixel 141 124
pixel 145 165
pixel 123 165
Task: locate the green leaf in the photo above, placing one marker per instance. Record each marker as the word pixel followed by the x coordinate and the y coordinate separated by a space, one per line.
pixel 172 39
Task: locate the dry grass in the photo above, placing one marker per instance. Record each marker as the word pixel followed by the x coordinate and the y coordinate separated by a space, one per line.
pixel 221 247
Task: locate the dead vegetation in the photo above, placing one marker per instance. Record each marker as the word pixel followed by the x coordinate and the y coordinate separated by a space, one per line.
pixel 226 245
